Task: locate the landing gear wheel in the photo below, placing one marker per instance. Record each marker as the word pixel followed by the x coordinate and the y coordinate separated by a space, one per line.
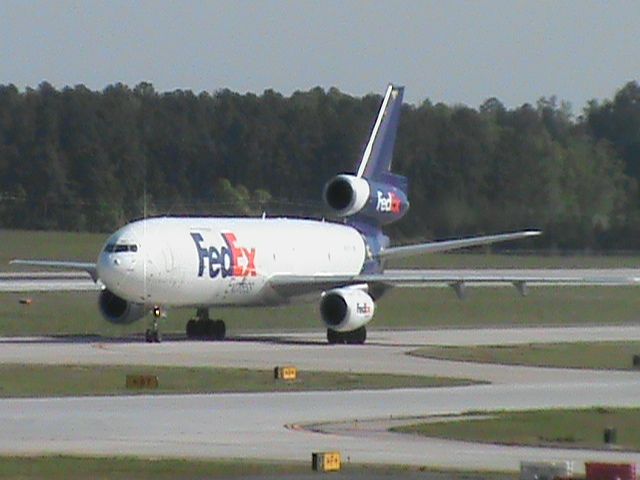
pixel 358 336
pixel 219 330
pixel 332 336
pixel 354 337
pixel 191 328
pixel 207 329
pixel 152 336
pixel 213 330
pixel 201 327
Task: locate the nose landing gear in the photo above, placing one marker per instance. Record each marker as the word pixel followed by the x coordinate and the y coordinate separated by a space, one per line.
pixel 201 327
pixel 152 335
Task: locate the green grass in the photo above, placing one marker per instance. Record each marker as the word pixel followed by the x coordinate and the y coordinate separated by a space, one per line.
pixel 76 313
pixel 113 468
pixel 82 380
pixel 63 467
pixel 596 355
pixel 562 428
pixel 48 246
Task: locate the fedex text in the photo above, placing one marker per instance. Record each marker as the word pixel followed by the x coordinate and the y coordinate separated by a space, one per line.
pixel 229 260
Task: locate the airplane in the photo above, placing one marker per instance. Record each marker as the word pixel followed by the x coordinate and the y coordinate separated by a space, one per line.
pixel 153 264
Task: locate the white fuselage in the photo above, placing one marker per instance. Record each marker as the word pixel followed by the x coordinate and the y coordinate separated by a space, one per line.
pixel 209 261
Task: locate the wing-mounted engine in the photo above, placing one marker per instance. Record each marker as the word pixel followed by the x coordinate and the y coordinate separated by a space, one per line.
pixel 346 309
pixel 118 310
pixel 349 195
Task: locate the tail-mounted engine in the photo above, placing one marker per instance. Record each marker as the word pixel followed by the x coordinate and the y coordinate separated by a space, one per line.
pixel 348 195
pixel 346 309
pixel 118 310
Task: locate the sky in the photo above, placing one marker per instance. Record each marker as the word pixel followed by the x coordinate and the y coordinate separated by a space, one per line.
pixel 451 51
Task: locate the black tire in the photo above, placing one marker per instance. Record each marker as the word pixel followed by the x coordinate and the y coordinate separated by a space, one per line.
pixel 157 337
pixel 191 328
pixel 354 337
pixel 148 336
pixel 208 329
pixel 220 330
pixel 358 336
pixel 199 329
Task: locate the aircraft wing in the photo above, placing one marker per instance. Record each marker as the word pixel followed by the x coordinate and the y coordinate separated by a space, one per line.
pixel 90 268
pixel 294 285
pixel 446 245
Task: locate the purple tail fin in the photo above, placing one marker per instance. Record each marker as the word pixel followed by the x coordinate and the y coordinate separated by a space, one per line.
pixel 376 160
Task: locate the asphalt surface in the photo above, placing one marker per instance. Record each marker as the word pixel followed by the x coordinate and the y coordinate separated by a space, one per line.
pixel 46 282
pixel 385 352
pixel 271 426
pixel 289 426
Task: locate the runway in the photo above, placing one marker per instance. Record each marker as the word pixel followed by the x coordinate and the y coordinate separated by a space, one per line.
pixel 46 282
pixel 385 352
pixel 273 426
pixel 263 426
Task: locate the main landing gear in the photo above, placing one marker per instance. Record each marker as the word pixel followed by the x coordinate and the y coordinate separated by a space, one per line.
pixel 152 335
pixel 354 337
pixel 203 328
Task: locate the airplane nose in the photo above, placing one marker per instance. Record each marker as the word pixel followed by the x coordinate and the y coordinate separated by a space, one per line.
pixel 116 265
pixel 110 271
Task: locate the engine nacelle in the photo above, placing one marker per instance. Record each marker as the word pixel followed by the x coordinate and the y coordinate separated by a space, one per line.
pixel 118 310
pixel 347 195
pixel 346 309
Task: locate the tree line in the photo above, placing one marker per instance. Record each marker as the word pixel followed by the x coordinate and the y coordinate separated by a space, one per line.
pixel 77 159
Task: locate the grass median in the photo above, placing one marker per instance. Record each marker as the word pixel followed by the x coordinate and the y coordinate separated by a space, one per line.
pixel 591 355
pixel 66 467
pixel 550 428
pixel 78 380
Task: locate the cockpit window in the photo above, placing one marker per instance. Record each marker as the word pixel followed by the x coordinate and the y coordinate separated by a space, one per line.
pixel 114 248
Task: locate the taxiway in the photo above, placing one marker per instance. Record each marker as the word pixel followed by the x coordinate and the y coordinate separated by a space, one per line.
pixel 276 425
